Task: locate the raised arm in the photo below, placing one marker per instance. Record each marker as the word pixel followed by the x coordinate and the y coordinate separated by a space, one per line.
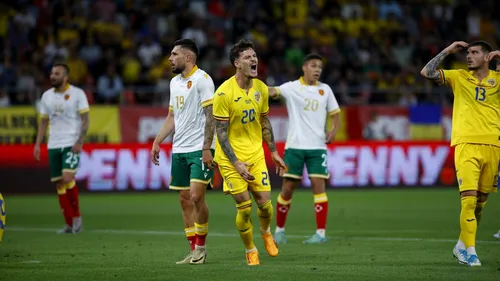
pixel 430 70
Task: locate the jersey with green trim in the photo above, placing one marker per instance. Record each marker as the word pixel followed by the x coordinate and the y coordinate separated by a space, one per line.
pixel 188 96
pixel 308 108
pixel 63 110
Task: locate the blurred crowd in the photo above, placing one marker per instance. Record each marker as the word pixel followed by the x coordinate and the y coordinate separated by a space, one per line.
pixel 118 50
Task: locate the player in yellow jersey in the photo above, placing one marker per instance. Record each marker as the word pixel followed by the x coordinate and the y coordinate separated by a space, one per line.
pixel 475 135
pixel 497 235
pixel 240 109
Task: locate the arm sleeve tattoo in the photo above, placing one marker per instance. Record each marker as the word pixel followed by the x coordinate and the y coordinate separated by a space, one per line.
pixel 221 128
pixel 267 133
pixel 431 71
pixel 209 127
pixel 85 127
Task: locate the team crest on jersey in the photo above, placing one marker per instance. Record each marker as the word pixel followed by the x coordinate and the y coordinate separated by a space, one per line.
pixel 491 82
pixel 321 92
pixel 190 84
pixel 257 96
pixel 66 97
pixel 460 181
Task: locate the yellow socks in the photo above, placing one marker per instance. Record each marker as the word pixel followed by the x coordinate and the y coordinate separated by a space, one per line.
pixel 468 221
pixel 479 211
pixel 265 213
pixel 244 224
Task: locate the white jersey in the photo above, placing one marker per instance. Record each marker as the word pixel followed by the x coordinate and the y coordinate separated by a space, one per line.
pixel 188 96
pixel 308 108
pixel 63 110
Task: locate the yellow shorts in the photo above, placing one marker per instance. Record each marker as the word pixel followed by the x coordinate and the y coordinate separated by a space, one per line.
pixel 235 184
pixel 477 167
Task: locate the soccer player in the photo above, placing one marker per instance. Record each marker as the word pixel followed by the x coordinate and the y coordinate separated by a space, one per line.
pixel 240 110
pixel 475 135
pixel 67 109
pixel 309 104
pixel 497 235
pixel 190 118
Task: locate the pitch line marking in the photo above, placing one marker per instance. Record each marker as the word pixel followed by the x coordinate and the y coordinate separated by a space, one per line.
pixel 219 234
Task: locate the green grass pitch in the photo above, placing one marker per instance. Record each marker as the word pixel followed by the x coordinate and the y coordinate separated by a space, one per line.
pixel 392 234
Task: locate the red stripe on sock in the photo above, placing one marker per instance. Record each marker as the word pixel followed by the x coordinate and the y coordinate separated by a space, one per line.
pixel 192 241
pixel 73 200
pixel 66 209
pixel 281 214
pixel 200 239
pixel 321 210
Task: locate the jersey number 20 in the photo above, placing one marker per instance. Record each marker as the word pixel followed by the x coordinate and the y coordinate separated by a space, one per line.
pixel 248 116
pixel 480 93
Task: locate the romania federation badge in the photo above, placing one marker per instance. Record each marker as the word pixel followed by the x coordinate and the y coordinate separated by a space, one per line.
pixel 491 82
pixel 257 96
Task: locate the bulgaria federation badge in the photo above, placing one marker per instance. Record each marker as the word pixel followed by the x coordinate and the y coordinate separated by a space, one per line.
pixel 2 216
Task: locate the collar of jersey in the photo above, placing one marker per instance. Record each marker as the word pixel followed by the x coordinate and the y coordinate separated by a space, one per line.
pixel 65 89
pixel 303 82
pixel 489 76
pixel 191 72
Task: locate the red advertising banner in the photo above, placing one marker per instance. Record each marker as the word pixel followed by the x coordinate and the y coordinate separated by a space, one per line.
pixel 128 167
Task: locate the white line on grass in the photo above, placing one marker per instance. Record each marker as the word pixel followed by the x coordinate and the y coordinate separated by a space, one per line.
pixel 218 234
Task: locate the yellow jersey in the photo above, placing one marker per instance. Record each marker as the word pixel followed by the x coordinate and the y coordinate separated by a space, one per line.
pixel 243 111
pixel 476 107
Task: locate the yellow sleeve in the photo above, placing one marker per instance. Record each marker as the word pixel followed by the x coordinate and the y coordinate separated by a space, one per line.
pixel 221 103
pixel 448 76
pixel 264 110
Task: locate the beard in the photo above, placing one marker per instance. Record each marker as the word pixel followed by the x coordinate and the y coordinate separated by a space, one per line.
pixel 56 83
pixel 178 69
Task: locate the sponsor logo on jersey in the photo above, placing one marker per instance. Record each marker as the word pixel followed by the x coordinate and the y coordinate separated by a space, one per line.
pixel 491 82
pixel 321 92
pixel 257 96
pixel 236 100
pixel 189 84
pixel 220 94
pixel 66 97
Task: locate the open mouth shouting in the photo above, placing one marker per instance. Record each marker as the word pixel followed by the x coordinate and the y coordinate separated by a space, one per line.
pixel 253 69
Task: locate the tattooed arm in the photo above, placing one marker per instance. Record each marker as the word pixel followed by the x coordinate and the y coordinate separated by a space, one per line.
pixel 221 128
pixel 430 70
pixel 85 127
pixel 209 127
pixel 267 133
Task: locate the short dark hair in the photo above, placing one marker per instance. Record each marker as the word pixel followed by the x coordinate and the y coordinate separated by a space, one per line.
pixel 485 46
pixel 189 44
pixel 312 57
pixel 63 65
pixel 239 47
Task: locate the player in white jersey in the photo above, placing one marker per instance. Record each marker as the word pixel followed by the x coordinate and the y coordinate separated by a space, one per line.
pixel 190 118
pixel 67 109
pixel 309 103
